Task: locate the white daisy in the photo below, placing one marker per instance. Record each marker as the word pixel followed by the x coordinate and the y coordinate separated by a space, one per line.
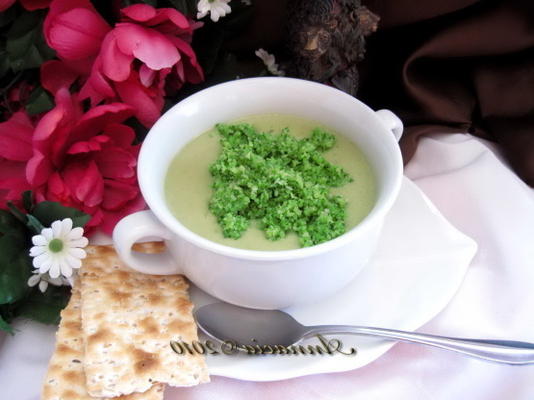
pixel 270 62
pixel 216 9
pixel 44 279
pixel 59 249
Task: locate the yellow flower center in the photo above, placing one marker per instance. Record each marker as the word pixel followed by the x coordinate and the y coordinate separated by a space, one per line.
pixel 55 245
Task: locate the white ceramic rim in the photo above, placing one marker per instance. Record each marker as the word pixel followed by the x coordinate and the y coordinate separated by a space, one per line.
pixel 381 207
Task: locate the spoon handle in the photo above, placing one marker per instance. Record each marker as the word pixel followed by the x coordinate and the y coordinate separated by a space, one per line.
pixel 501 351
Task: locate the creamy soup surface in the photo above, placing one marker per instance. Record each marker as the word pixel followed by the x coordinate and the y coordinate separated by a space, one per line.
pixel 188 182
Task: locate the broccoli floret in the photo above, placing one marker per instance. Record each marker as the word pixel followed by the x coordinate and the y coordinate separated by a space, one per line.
pixel 279 180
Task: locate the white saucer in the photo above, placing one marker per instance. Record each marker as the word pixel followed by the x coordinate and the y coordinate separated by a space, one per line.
pixel 419 265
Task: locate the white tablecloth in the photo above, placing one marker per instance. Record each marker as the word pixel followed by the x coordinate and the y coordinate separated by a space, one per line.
pixel 472 186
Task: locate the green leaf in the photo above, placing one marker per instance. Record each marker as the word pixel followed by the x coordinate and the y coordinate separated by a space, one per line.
pixel 34 224
pixel 4 63
pixel 15 269
pixel 39 101
pixel 27 200
pixel 9 225
pixel 16 212
pixel 26 47
pixel 49 211
pixel 7 16
pixel 8 312
pixel 45 307
pixel 4 326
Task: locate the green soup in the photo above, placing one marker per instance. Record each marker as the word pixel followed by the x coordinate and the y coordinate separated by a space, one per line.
pixel 188 182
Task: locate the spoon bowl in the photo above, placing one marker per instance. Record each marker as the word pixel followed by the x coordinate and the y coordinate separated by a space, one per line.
pixel 223 321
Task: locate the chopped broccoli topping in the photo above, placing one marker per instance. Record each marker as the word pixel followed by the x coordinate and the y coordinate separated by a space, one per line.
pixel 279 180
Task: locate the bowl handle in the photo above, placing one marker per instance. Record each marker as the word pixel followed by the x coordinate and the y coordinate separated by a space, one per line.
pixel 134 228
pixel 392 122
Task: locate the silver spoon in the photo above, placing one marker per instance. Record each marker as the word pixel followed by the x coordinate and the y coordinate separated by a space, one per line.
pixel 244 326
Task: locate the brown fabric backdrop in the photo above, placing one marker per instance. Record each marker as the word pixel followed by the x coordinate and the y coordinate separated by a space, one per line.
pixel 442 66
pixel 456 66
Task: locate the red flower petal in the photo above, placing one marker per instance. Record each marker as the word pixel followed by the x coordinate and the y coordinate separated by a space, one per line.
pixel 115 64
pixel 48 124
pixel 85 182
pixel 111 217
pixel 54 129
pixel 63 136
pixel 56 190
pixel 15 137
pixel 122 135
pixel 97 118
pixel 97 218
pixel 116 163
pixel 56 74
pixel 58 7
pixel 148 45
pixel 134 94
pixel 146 75
pixel 97 87
pixel 93 144
pixel 193 70
pixel 77 33
pixel 38 169
pixel 167 20
pixel 118 194
pixel 180 71
pixel 12 181
pixel 174 16
pixel 82 66
pixel 139 12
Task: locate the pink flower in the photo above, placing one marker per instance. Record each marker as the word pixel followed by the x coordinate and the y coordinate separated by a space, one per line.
pixel 57 74
pixel 130 63
pixel 15 151
pixel 82 160
pixel 138 56
pixel 75 30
